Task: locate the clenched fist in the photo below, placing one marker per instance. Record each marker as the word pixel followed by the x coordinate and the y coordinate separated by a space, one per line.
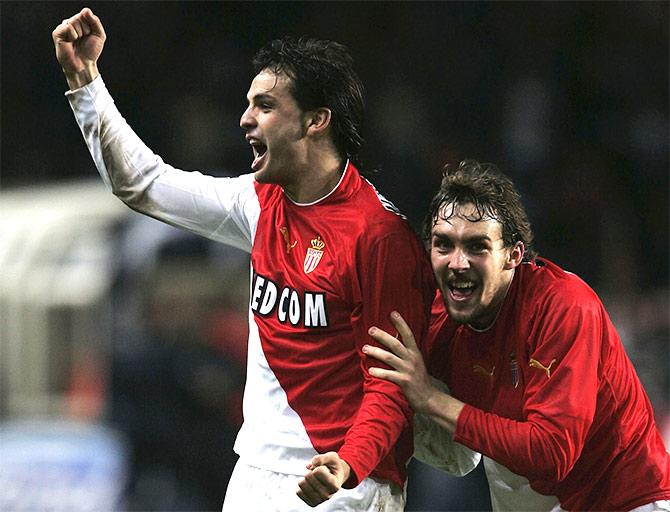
pixel 79 41
pixel 327 473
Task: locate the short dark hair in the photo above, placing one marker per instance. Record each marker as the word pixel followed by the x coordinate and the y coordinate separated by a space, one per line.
pixel 322 75
pixel 494 196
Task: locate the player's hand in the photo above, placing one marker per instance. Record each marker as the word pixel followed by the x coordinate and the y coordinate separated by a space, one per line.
pixel 79 41
pixel 409 370
pixel 327 473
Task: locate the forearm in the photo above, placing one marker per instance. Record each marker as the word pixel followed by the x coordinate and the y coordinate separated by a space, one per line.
pixel 377 429
pixel 388 283
pixel 125 163
pixel 443 409
pixel 534 449
pixel 212 207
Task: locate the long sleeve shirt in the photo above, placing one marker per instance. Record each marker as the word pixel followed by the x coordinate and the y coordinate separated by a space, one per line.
pixel 321 274
pixel 552 400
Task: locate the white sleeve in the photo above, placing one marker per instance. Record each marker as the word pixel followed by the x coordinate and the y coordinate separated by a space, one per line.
pixel 223 209
pixel 434 445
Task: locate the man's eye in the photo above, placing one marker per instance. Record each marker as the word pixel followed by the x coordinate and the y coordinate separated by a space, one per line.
pixel 477 248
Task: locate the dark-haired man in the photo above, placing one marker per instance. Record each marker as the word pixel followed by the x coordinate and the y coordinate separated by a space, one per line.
pixel 538 377
pixel 329 257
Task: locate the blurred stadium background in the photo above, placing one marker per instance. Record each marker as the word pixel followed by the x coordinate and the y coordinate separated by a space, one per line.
pixel 122 341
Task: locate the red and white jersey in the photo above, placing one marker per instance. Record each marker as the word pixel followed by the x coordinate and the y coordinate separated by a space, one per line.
pixel 553 399
pixel 321 275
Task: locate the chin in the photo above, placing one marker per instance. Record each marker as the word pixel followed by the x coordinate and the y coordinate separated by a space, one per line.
pixel 459 317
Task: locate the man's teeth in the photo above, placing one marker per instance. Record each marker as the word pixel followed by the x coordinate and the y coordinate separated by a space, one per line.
pixel 463 286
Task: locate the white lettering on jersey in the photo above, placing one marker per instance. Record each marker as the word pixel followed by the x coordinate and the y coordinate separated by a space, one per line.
pixel 289 306
pixel 281 312
pixel 269 298
pixel 257 290
pixel 315 310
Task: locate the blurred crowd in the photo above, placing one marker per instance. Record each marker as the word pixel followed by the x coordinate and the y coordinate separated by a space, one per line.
pixel 568 98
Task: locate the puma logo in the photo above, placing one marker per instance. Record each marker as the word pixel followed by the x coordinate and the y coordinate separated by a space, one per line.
pixel 537 364
pixel 287 240
pixel 483 371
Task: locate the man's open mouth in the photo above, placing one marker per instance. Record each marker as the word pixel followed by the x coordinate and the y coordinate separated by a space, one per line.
pixel 462 290
pixel 259 150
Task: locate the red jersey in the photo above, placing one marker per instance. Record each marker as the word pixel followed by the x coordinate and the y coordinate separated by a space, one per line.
pixel 552 397
pixel 321 275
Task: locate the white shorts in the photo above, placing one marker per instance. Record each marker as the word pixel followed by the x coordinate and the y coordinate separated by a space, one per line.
pixel 252 489
pixel 657 506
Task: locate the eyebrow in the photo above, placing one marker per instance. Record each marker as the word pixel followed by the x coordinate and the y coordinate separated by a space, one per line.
pixel 262 97
pixel 469 239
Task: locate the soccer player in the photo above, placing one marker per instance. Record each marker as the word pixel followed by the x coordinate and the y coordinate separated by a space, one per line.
pixel 329 257
pixel 540 383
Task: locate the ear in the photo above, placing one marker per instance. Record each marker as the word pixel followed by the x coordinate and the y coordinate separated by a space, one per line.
pixel 318 120
pixel 515 256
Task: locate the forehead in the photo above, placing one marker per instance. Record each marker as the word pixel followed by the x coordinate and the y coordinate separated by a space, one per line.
pixel 269 83
pixel 463 220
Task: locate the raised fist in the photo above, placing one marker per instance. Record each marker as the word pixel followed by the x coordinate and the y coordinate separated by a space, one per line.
pixel 79 41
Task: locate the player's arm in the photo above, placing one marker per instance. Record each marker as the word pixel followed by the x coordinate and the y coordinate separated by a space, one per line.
pixel 560 394
pixel 436 411
pixel 223 209
pixel 559 406
pixel 392 275
pixel 385 276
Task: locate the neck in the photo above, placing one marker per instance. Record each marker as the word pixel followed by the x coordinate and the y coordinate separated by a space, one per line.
pixel 317 181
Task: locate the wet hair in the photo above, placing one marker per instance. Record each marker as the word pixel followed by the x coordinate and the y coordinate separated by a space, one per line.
pixel 494 196
pixel 321 75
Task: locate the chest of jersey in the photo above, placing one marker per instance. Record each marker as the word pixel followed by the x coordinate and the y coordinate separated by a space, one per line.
pixel 491 371
pixel 300 263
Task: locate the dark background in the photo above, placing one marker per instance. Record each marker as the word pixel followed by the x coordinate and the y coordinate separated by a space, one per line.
pixel 570 99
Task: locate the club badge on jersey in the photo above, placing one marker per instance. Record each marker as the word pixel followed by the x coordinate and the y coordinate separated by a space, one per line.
pixel 314 254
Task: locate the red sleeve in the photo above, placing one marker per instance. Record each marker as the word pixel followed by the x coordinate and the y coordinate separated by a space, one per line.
pixel 393 274
pixel 559 406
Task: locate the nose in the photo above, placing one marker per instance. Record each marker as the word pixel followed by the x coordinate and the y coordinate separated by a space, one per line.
pixel 247 120
pixel 459 260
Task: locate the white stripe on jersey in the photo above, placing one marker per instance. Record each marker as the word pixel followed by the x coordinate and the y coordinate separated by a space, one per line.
pixel 388 205
pixel 272 436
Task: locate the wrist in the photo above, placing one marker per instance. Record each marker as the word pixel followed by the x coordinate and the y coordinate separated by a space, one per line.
pixel 349 479
pixel 346 471
pixel 431 402
pixel 444 409
pixel 82 77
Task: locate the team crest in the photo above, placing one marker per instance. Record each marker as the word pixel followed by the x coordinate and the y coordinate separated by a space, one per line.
pixel 314 254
